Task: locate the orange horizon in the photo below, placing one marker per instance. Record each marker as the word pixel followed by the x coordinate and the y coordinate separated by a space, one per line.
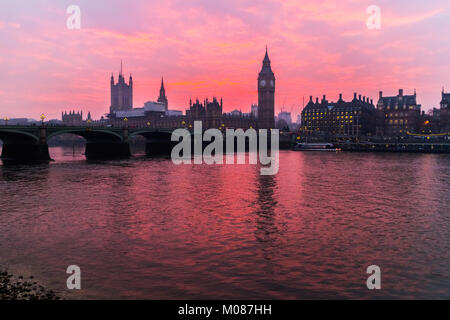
pixel 208 49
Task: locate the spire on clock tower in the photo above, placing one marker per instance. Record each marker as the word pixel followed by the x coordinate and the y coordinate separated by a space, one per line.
pixel 266 58
pixel 266 69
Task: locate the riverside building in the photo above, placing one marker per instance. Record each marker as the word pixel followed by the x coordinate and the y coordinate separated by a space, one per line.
pixel 397 115
pixel 341 119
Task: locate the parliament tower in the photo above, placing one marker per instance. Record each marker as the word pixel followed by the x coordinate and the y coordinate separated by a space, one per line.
pixel 266 95
pixel 121 93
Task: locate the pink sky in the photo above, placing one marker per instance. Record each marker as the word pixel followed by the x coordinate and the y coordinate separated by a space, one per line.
pixel 214 48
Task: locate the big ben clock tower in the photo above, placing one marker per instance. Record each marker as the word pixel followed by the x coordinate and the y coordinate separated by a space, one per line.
pixel 266 95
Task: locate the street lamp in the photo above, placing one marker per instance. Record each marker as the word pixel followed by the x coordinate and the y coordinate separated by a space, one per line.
pixel 148 124
pixel 6 120
pixel 89 121
pixel 43 118
pixel 125 120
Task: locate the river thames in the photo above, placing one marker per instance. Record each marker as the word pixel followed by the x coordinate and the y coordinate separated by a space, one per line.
pixel 147 229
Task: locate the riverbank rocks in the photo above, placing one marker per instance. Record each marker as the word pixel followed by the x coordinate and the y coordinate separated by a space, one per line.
pixel 20 288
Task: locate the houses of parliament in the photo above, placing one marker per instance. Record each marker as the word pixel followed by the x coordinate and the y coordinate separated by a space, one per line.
pixel 210 112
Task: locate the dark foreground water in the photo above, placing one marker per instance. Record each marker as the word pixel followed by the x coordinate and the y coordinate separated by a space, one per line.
pixel 144 228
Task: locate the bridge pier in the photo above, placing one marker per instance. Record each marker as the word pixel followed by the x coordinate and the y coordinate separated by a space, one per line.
pixel 156 148
pixel 18 147
pixel 25 152
pixel 158 143
pixel 103 150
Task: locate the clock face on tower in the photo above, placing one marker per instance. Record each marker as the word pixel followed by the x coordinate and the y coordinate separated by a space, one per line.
pixel 263 83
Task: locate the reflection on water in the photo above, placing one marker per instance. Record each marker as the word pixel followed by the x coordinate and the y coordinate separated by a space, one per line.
pixel 145 228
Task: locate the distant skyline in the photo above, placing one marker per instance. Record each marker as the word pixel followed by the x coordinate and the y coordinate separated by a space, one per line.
pixel 204 49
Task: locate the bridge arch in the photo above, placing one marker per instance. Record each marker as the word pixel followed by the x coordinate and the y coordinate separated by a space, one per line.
pixel 17 135
pixel 23 144
pixel 152 133
pixel 92 135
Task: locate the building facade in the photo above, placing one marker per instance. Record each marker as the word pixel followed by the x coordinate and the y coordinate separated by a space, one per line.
pixel 397 115
pixel 340 119
pixel 72 118
pixel 151 114
pixel 444 112
pixel 210 113
pixel 121 93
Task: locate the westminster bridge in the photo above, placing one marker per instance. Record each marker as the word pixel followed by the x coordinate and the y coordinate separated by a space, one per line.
pixel 30 142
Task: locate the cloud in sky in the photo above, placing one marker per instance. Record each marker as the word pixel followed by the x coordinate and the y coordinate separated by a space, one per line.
pixel 205 48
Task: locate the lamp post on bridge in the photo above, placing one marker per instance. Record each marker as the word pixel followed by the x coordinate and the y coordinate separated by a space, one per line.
pixel 126 121
pixel 42 118
pixel 43 132
pixel 6 120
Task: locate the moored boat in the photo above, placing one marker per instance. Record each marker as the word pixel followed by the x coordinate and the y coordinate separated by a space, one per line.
pixel 315 147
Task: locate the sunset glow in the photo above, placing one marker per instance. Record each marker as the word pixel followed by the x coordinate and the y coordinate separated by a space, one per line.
pixel 215 48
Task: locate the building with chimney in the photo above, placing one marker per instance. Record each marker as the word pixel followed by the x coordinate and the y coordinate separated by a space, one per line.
pixel 398 115
pixel 341 119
